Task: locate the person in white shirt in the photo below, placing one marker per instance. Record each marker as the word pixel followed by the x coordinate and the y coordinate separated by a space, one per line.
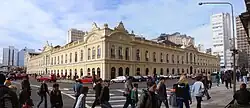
pixel 198 90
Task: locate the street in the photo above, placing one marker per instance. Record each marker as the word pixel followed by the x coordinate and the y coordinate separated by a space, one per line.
pixel 117 99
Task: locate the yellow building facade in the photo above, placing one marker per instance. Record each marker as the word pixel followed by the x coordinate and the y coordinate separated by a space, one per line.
pixel 115 52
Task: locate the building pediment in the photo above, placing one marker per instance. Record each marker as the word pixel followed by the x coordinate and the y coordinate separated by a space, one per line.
pixel 47 47
pixel 93 37
pixel 191 47
pixel 120 36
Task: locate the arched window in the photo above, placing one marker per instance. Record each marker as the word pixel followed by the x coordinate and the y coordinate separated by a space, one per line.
pixel 167 71
pixel 173 71
pixel 154 71
pixel 127 71
pixel 146 56
pixel 75 56
pixel 112 51
pixel 167 59
pixel 89 53
pixel 182 59
pixel 154 56
pixel 147 71
pixel 161 73
pixel 182 71
pixel 120 52
pixel 81 72
pixel 81 56
pixel 191 58
pixel 138 70
pixel 70 57
pixel 98 72
pixel 173 58
pixel 161 57
pixel 178 59
pixel 178 71
pixel 93 71
pixel 98 51
pixel 120 72
pixel 138 54
pixel 93 53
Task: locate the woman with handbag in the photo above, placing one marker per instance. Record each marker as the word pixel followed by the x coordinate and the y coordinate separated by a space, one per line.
pixel 198 90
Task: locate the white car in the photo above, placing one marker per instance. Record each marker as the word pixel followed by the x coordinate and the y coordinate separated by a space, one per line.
pixel 119 79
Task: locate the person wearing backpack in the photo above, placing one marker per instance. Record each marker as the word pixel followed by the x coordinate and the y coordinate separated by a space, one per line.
pixel 105 96
pixel 134 95
pixel 77 89
pixel 162 92
pixel 42 93
pixel 81 101
pixel 8 98
pixel 198 90
pixel 56 97
pixel 182 92
pixel 148 98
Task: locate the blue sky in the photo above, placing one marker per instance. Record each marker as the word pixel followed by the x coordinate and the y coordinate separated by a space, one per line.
pixel 30 23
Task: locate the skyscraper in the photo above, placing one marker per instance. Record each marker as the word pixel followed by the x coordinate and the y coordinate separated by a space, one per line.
pixel 74 35
pixel 21 55
pixel 10 56
pixel 221 32
pixel 242 43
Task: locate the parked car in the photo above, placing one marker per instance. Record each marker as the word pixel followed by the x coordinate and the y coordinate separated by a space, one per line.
pixel 119 79
pixel 139 78
pixel 86 79
pixel 48 78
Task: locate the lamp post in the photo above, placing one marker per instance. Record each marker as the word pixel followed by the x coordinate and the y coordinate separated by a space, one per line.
pixel 234 47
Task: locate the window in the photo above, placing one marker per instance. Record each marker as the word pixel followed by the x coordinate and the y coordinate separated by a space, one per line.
pixel 61 59
pixel 51 60
pixel 154 56
pixel 58 60
pixel 70 57
pixel 54 60
pixel 81 56
pixel 66 57
pixel 127 54
pixel 75 56
pixel 173 58
pixel 194 60
pixel 93 53
pixel 191 58
pixel 146 56
pixel 112 51
pixel 98 52
pixel 187 58
pixel 161 57
pixel 178 59
pixel 89 53
pixel 138 54
pixel 120 52
pixel 182 59
pixel 167 59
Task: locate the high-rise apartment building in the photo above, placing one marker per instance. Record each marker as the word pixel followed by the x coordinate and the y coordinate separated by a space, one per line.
pixel 242 43
pixel 21 55
pixel 74 35
pixel 10 56
pixel 221 31
pixel 177 38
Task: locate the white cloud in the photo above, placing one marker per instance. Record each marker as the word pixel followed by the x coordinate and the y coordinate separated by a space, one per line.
pixel 31 22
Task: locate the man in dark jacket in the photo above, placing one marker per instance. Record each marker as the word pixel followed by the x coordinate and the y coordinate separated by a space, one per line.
pixel 98 89
pixel 5 91
pixel 162 93
pixel 227 78
pixel 25 83
pixel 127 93
pixel 105 96
pixel 242 96
pixel 149 99
pixel 56 97
pixel 42 93
pixel 206 86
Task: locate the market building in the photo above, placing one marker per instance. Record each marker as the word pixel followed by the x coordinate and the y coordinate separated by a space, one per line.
pixel 115 52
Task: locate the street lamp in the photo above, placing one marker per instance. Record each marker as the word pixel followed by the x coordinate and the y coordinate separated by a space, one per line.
pixel 234 47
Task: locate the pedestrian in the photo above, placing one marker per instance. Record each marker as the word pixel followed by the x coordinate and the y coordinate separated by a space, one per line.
pixel 218 78
pixel 242 96
pixel 244 75
pixel 206 86
pixel 127 93
pixel 56 97
pixel 105 96
pixel 148 98
pixel 182 91
pixel 25 83
pixel 198 90
pixel 98 89
pixel 222 77
pixel 134 96
pixel 161 90
pixel 42 92
pixel 238 76
pixel 8 98
pixel 81 101
pixel 209 79
pixel 24 96
pixel 77 87
pixel 227 78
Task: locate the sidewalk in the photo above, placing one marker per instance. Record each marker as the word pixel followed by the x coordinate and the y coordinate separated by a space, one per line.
pixel 220 97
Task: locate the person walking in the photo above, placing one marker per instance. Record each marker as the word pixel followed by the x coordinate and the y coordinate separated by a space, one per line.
pixel 182 91
pixel 56 97
pixel 244 75
pixel 227 78
pixel 42 92
pixel 127 93
pixel 206 86
pixel 161 90
pixel 238 76
pixel 198 90
pixel 134 95
pixel 218 78
pixel 209 79
pixel 148 98
pixel 105 96
pixel 81 101
pixel 222 77
pixel 8 98
pixel 77 87
pixel 24 96
pixel 98 89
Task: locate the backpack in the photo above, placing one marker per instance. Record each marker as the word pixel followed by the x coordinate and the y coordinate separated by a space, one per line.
pixel 6 101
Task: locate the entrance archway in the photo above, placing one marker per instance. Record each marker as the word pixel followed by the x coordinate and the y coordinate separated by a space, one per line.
pixel 161 73
pixel 113 73
pixel 138 70
pixel 120 72
pixel 98 72
pixel 93 71
pixel 154 71
pixel 191 70
pixel 167 71
pixel 127 71
pixel 147 71
pixel 173 71
pixel 182 71
pixel 88 71
pixel 81 73
pixel 178 71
